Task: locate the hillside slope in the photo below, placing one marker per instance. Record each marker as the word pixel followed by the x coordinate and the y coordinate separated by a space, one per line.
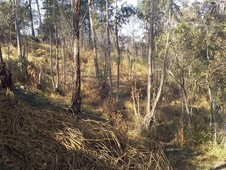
pixel 37 133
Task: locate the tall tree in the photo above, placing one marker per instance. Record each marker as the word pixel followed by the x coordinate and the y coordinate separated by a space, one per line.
pixel 18 36
pixel 31 18
pixel 150 57
pixel 93 32
pixel 76 97
pixel 56 17
pixel 150 115
pixel 39 13
pixel 118 51
pixel 108 50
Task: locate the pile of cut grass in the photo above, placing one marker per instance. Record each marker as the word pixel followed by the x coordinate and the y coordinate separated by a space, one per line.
pixel 40 137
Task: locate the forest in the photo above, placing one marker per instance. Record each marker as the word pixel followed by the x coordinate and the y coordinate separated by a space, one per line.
pixel 104 84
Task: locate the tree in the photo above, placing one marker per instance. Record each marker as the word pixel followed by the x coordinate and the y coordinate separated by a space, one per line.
pixel 150 112
pixel 118 51
pixel 56 17
pixel 31 18
pixel 93 33
pixel 39 13
pixel 198 62
pixel 108 50
pixel 150 58
pixel 18 36
pixel 76 97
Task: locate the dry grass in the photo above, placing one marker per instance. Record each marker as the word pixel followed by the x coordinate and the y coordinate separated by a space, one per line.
pixel 37 133
pixel 46 137
pixel 211 155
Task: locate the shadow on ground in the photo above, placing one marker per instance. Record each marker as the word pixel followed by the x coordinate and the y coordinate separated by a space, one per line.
pixel 35 99
pixel 181 158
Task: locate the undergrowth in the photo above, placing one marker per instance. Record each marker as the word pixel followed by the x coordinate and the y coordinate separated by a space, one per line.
pixel 46 137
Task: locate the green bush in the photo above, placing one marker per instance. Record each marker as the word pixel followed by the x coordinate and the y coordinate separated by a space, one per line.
pixel 198 137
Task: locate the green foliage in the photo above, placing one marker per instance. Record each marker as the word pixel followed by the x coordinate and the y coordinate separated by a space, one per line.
pixel 124 14
pixel 5 13
pixel 143 9
pixel 198 137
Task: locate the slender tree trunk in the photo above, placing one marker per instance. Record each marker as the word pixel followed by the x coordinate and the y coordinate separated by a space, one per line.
pixel 57 69
pixel 25 43
pixel 8 47
pixel 1 58
pixel 31 19
pixel 136 106
pixel 64 64
pixel 186 104
pixel 102 44
pixel 150 58
pixel 90 35
pixel 210 103
pixel 185 96
pixel 57 50
pixel 18 37
pixel 215 109
pixel 93 32
pixel 76 97
pixel 130 63
pixel 39 13
pixel 83 37
pixel 108 56
pixel 181 131
pixel 118 52
pixel 51 61
pixel 151 115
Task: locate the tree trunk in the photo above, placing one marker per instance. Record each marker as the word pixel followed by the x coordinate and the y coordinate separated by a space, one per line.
pixel 39 13
pixel 215 110
pixel 181 130
pixel 76 97
pixel 108 56
pixel 57 50
pixel 64 64
pixel 185 98
pixel 187 103
pixel 1 58
pixel 90 34
pixel 31 18
pixel 83 37
pixel 150 58
pixel 136 106
pixel 51 61
pixel 8 49
pixel 150 116
pixel 18 37
pixel 130 63
pixel 210 102
pixel 93 33
pixel 118 52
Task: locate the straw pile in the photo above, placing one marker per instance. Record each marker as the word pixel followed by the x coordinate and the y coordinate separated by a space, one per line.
pixel 34 138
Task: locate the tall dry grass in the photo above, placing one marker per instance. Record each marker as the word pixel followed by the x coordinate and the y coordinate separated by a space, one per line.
pixel 46 137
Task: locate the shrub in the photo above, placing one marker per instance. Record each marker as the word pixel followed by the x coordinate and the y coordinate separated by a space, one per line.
pixel 197 137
